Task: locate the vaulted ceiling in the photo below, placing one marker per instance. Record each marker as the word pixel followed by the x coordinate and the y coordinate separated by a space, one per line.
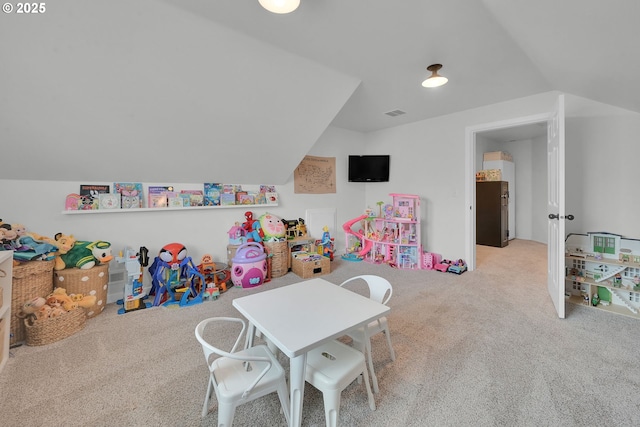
pixel 222 90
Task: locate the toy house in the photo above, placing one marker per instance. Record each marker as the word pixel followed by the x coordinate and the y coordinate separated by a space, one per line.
pixel 237 235
pixel 603 271
pixel 393 238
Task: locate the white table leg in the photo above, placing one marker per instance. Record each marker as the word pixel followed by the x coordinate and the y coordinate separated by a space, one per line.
pixel 251 333
pixel 297 367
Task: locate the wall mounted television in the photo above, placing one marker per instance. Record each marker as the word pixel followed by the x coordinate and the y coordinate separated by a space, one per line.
pixel 369 168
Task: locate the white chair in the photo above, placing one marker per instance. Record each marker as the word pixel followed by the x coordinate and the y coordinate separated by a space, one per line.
pixel 380 290
pixel 240 376
pixel 331 368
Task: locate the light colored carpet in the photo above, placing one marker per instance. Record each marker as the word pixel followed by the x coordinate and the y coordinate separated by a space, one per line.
pixel 481 349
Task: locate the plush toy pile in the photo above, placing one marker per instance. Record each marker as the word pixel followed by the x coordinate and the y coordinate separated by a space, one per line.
pixel 65 249
pixel 55 304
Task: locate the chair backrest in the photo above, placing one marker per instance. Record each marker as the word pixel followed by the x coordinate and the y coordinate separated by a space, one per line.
pixel 233 353
pixel 210 349
pixel 380 289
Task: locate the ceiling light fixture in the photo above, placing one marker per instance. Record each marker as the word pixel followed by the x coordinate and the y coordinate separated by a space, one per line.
pixel 435 79
pixel 280 6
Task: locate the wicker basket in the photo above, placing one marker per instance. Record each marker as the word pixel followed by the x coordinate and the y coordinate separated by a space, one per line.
pixel 279 252
pixel 93 281
pixel 52 329
pixel 30 279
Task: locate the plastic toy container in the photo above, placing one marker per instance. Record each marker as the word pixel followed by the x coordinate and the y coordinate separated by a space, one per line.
pixel 249 266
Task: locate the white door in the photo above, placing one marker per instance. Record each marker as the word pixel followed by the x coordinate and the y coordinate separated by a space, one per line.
pixel 555 206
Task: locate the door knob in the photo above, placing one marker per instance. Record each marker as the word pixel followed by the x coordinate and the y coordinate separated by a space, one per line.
pixel 569 217
pixel 554 216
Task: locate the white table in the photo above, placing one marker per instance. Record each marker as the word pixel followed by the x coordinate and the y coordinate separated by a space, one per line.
pixel 302 316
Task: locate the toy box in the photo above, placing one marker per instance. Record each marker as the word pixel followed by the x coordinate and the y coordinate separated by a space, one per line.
pixel 30 279
pixel 93 281
pixel 308 267
pixel 498 155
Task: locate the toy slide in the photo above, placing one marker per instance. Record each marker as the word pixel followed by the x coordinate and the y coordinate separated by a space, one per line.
pixel 367 244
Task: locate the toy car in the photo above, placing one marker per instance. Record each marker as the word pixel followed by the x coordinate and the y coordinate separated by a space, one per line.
pixel 458 267
pixel 442 266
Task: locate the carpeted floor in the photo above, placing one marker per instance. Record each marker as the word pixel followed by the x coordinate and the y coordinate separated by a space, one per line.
pixel 481 349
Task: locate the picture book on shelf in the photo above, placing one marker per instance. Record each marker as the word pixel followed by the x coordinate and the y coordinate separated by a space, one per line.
pixel 158 200
pixel 90 194
pixel 158 195
pixel 272 198
pixel 260 199
pixel 212 194
pixel 176 202
pixel 245 198
pixel 196 197
pixel 132 191
pixel 227 199
pixel 267 188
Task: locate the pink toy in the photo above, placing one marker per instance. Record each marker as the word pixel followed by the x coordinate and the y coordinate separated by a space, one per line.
pixel 249 267
pixel 429 260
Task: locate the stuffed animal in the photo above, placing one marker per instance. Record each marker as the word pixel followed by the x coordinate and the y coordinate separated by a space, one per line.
pixel 85 255
pixel 59 296
pixel 84 301
pixel 64 243
pixel 33 307
pixel 272 227
pixel 55 304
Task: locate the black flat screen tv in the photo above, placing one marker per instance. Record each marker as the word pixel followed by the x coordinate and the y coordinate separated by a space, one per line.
pixel 370 168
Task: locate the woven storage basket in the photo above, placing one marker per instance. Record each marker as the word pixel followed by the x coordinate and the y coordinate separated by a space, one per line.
pixel 52 329
pixel 279 252
pixel 30 279
pixel 93 281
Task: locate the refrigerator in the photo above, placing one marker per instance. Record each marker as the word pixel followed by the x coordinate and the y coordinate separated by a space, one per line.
pixel 492 213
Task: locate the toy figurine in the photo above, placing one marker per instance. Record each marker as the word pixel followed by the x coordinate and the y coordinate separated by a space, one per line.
pixel 134 294
pixel 174 277
pixel 326 244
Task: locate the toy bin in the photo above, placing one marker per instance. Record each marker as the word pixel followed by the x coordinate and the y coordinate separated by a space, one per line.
pixel 249 268
pixel 308 267
pixel 31 279
pixel 279 254
pixel 50 330
pixel 93 281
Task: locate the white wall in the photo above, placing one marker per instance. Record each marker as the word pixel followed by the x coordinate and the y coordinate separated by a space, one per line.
pixel 38 205
pixel 602 174
pixel 427 159
pixel 539 175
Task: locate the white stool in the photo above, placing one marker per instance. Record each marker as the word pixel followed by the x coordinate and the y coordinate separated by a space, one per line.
pixel 331 368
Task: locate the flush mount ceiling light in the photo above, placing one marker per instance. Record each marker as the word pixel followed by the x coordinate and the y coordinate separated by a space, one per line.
pixel 280 6
pixel 435 79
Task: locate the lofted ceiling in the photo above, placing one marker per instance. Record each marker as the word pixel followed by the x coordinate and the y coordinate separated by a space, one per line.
pixel 222 90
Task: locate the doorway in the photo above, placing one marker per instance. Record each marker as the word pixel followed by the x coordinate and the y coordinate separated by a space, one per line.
pixel 508 134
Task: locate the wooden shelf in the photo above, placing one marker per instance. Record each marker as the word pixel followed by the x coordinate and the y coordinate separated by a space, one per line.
pixel 189 208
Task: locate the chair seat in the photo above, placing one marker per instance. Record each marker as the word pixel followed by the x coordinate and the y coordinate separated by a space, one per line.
pixel 233 378
pixel 324 373
pixel 238 377
pixel 331 368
